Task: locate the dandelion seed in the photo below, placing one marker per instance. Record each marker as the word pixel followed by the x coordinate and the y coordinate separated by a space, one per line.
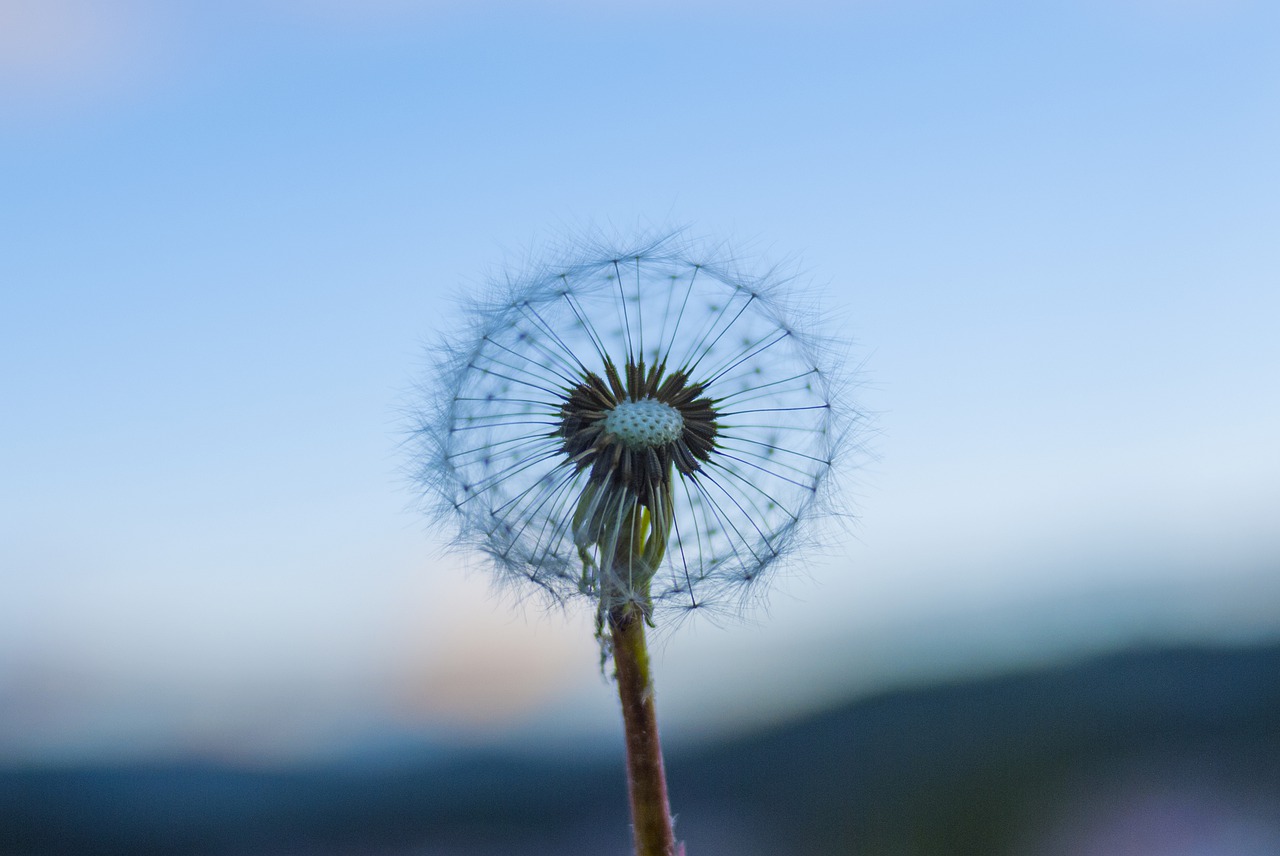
pixel 643 427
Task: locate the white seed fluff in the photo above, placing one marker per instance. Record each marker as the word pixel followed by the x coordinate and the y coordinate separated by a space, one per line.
pixel 644 424
pixel 509 459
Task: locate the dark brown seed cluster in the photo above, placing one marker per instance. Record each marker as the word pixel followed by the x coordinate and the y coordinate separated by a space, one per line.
pixel 644 470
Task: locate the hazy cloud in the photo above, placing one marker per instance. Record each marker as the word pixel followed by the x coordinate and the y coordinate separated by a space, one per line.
pixel 58 47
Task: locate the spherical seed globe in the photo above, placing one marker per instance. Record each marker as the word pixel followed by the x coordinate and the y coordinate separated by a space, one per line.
pixel 650 383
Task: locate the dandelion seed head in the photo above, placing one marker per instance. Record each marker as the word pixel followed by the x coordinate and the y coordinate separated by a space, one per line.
pixel 647 425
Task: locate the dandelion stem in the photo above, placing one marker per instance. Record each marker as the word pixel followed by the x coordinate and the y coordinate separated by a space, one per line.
pixel 646 779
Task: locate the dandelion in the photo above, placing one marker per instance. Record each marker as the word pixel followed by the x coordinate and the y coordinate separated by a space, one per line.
pixel 645 429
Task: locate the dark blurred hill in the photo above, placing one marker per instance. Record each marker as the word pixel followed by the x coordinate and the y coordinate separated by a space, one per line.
pixel 988 766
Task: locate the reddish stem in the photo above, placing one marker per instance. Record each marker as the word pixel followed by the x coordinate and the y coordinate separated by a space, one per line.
pixel 646 779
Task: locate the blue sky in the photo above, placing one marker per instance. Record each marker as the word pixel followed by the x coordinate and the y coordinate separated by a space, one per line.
pixel 228 231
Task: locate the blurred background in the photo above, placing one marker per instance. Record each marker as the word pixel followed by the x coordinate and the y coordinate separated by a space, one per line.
pixel 229 232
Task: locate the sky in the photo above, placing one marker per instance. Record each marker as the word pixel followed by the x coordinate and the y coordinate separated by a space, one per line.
pixel 230 232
